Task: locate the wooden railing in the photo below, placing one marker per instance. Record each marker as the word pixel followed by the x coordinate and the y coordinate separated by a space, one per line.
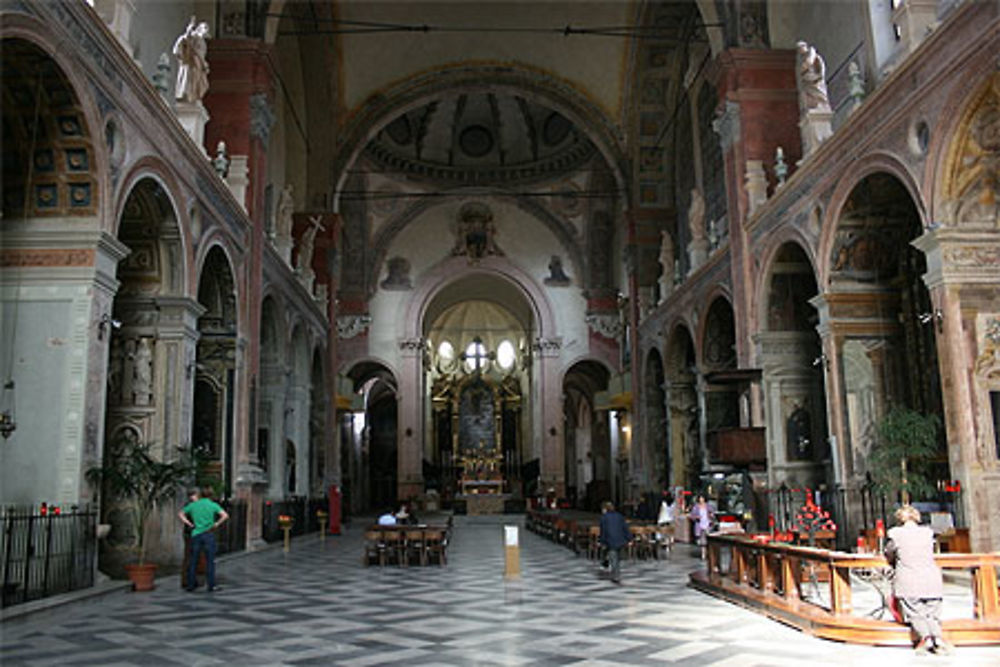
pixel 771 578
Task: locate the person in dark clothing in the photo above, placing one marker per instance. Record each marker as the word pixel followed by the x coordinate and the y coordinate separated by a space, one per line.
pixel 614 535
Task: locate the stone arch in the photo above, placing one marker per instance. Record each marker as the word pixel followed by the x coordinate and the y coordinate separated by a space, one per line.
pixel 213 414
pixel 560 95
pixel 373 448
pixel 318 402
pixel 589 458
pixel 863 168
pixel 790 235
pixel 771 258
pixel 68 167
pixel 273 383
pixel 683 406
pixel 874 290
pixel 654 418
pixel 455 268
pixel 717 349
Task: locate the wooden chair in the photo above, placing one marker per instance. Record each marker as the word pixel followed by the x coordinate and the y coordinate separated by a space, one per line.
pixel 395 545
pixel 415 546
pixel 435 546
pixel 374 548
pixel 594 542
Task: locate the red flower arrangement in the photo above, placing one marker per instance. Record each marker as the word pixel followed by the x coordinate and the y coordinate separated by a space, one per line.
pixel 812 518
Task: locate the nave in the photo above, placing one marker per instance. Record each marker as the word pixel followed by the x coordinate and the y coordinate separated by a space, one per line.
pixel 318 605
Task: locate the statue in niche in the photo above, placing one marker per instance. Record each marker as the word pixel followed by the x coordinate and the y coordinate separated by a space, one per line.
pixel 190 50
pixel 475 233
pixel 812 80
pixel 399 274
pixel 556 275
pixel 696 215
pixel 142 379
pixel 304 263
pixel 798 434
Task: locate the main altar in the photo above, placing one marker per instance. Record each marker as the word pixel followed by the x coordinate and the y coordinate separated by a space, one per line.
pixel 481 483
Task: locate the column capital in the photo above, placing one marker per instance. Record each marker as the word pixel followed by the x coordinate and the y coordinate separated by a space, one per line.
pixel 959 256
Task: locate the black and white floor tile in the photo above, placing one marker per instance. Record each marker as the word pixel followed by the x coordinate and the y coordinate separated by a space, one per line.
pixel 319 606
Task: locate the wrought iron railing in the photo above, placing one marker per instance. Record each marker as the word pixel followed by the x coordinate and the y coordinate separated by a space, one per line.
pixel 46 552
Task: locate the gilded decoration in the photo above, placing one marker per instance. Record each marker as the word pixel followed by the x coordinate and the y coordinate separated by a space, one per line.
pixel 973 171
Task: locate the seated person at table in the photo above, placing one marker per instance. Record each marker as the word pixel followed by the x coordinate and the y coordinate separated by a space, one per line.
pixel 387 518
pixel 405 515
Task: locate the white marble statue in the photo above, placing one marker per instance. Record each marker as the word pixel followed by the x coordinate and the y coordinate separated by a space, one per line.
pixel 811 79
pixel 142 380
pixel 283 213
pixel 304 263
pixel 666 265
pixel 696 215
pixel 191 49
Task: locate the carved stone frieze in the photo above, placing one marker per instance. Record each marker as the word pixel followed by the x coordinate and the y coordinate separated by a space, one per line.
pixel 349 326
pixel 973 255
pixel 608 325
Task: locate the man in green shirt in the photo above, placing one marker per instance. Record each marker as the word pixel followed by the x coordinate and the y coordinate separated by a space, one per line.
pixel 203 516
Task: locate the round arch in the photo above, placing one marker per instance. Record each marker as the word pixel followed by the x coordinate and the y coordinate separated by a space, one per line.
pixel 25 28
pixel 790 236
pixel 559 95
pixel 860 170
pixel 454 269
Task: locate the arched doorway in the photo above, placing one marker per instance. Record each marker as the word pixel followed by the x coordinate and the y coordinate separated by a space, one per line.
pixel 477 379
pixel 271 406
pixel 318 402
pixel 654 421
pixel 297 411
pixel 588 437
pixel 684 408
pixel 880 312
pixel 375 471
pixel 793 374
pixel 215 365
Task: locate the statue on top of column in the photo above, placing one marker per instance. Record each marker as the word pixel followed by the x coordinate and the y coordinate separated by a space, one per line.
pixel 696 215
pixel 304 263
pixel 811 79
pixel 283 213
pixel 666 279
pixel 191 49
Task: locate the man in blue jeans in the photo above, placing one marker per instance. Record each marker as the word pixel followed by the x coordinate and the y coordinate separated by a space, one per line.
pixel 203 516
pixel 614 535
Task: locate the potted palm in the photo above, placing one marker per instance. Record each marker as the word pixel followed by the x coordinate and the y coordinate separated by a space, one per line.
pixel 132 475
pixel 907 441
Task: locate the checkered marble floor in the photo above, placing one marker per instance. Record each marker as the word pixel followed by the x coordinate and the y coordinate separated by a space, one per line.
pixel 319 606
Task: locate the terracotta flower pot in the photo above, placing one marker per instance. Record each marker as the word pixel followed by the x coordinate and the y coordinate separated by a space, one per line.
pixel 141 576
